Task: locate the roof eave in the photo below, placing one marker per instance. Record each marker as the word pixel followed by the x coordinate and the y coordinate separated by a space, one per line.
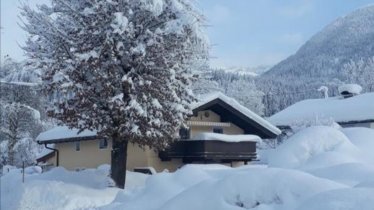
pixel 64 140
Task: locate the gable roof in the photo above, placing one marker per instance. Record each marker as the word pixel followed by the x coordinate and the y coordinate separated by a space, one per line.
pixel 232 111
pixel 358 108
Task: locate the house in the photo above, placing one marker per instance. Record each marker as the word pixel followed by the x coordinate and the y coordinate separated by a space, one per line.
pixel 220 131
pixel 349 109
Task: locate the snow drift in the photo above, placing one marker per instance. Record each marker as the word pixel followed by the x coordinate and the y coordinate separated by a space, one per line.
pixel 61 189
pixel 225 188
pixel 314 147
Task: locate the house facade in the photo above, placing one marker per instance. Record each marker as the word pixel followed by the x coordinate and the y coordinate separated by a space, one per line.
pixel 236 131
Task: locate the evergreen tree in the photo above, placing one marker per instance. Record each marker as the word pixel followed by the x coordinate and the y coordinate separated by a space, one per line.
pixel 121 67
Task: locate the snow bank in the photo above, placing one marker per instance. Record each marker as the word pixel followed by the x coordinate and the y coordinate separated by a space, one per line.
pixel 350 174
pixel 159 188
pixel 314 147
pixel 363 138
pixel 331 169
pixel 341 199
pixel 224 188
pixel 62 189
pixel 225 137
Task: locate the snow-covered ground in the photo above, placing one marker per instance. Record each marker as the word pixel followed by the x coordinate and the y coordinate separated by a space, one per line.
pixel 319 167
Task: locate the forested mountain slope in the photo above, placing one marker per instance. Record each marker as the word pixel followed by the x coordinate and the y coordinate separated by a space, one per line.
pixel 342 52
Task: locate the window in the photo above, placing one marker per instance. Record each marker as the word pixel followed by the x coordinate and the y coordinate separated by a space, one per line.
pixel 77 146
pixel 103 144
pixel 217 130
pixel 184 133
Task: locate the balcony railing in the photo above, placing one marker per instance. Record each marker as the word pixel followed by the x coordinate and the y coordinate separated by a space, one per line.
pixel 211 150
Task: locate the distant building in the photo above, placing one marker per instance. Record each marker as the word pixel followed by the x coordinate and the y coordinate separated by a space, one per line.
pixel 220 131
pixel 350 109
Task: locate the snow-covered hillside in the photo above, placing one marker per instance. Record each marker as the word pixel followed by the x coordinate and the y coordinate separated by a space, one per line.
pixel 248 71
pixel 341 53
pixel 349 37
pixel 320 167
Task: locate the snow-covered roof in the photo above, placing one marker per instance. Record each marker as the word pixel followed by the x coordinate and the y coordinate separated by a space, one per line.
pixel 226 138
pixel 357 108
pixel 350 88
pixel 63 132
pixel 236 105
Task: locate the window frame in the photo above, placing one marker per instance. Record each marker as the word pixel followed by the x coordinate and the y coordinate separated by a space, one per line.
pixel 77 146
pixel 106 144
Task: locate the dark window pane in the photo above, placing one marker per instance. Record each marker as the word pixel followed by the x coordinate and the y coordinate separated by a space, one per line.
pixel 217 130
pixel 103 144
pixel 77 146
pixel 184 133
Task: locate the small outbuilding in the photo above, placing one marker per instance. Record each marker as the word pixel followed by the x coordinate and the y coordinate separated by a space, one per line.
pixel 350 109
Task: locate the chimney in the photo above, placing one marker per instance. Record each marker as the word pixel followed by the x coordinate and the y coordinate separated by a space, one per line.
pixel 349 90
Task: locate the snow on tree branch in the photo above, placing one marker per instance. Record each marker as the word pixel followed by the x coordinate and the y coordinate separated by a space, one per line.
pixel 122 67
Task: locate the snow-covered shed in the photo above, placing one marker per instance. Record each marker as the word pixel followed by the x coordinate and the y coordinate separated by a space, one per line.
pixel 220 130
pixel 353 111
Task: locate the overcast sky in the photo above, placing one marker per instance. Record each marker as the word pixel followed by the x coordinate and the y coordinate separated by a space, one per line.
pixel 245 33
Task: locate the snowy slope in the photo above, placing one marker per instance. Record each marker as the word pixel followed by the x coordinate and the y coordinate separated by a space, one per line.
pixel 349 37
pixel 322 61
pixel 248 71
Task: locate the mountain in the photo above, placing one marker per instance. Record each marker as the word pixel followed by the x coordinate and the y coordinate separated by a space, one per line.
pixel 247 71
pixel 348 38
pixel 324 60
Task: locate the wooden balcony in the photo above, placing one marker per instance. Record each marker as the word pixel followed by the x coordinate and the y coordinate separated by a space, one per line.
pixel 210 151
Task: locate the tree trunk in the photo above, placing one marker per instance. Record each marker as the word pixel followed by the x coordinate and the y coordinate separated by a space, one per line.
pixel 119 160
pixel 11 144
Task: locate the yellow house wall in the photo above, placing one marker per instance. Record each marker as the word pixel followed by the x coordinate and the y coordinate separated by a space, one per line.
pixel 51 161
pixel 91 156
pixel 213 117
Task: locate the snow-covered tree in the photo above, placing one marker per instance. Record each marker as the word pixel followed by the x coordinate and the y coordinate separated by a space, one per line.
pixel 20 119
pixel 122 67
pixel 246 93
pixel 204 83
pixel 360 72
pixel 8 66
pixel 240 87
pixel 17 121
